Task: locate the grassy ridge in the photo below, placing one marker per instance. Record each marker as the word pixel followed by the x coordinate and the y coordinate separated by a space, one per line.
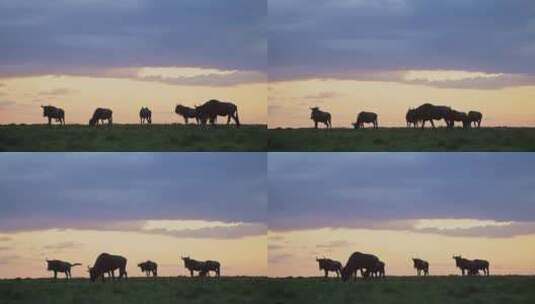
pixel 133 138
pixel 499 289
pixel 402 139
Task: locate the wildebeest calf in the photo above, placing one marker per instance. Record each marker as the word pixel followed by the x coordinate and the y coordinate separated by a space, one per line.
pixel 328 265
pixel 149 267
pixel 421 266
pixel 320 116
pixel 411 119
pixel 100 115
pixel 458 116
pixel 52 112
pixel 145 115
pixel 366 117
pixel 186 113
pixel 107 263
pixel 471 267
pixel 60 266
pixel 475 117
pixel 377 270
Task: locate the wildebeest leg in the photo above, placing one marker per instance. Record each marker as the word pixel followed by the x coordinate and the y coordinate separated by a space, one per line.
pixel 186 119
pixel 432 123
pixel 110 121
pixel 315 124
pixel 229 116
pixel 326 273
pixel 191 273
pixel 55 274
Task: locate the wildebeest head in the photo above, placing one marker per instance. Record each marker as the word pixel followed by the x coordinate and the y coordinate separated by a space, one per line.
pixel 346 273
pixel 48 265
pixel 458 260
pixel 92 273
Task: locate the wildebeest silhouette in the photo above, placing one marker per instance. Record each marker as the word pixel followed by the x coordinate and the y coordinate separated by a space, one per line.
pixel 145 115
pixel 411 119
pixel 186 113
pixel 358 261
pixel 471 267
pixel 377 270
pixel 149 267
pixel 458 116
pixel 214 266
pixel 107 263
pixel 366 117
pixel 329 265
pixel 101 114
pixel 52 112
pixel 429 112
pixel 60 266
pixel 475 117
pixel 320 116
pixel 213 108
pixel 481 265
pixel 203 268
pixel 421 266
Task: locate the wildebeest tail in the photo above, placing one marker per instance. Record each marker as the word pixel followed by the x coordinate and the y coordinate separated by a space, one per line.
pixel 76 264
pixel 237 118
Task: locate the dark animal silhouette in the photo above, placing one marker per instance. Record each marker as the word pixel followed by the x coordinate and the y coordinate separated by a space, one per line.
pixel 421 266
pixel 358 261
pixel 107 263
pixel 213 108
pixel 454 116
pixel 52 112
pixel 411 119
pixel 145 115
pixel 186 113
pixel 214 266
pixel 320 116
pixel 472 267
pixel 366 117
pixel 377 270
pixel 100 115
pixel 429 112
pixel 149 267
pixel 60 266
pixel 482 265
pixel 475 117
pixel 329 265
pixel 203 268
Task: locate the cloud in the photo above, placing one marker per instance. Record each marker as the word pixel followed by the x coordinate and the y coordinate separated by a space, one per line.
pixel 279 258
pixel 321 95
pixel 334 244
pixel 62 245
pixel 5 238
pixel 57 92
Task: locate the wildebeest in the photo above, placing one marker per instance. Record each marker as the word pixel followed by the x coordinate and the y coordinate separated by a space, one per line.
pixel 358 261
pixel 320 116
pixel 107 263
pixel 366 117
pixel 475 117
pixel 187 113
pixel 52 112
pixel 60 266
pixel 149 267
pixel 214 266
pixel 377 270
pixel 213 108
pixel 458 116
pixel 329 265
pixel 203 268
pixel 481 265
pixel 421 266
pixel 101 114
pixel 429 112
pixel 411 119
pixel 145 115
pixel 471 267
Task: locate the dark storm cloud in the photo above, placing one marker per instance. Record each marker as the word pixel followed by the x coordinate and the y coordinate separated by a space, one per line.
pixel 324 38
pixel 388 190
pixel 92 190
pixel 60 36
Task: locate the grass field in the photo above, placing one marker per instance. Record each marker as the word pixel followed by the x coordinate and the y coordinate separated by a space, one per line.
pixel 133 138
pixel 402 139
pixel 500 289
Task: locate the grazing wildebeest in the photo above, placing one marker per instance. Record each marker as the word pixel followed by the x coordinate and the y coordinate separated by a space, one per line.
pixel 366 117
pixel 429 112
pixel 149 267
pixel 52 112
pixel 213 108
pixel 421 266
pixel 458 116
pixel 472 267
pixel 329 265
pixel 214 266
pixel 481 265
pixel 145 115
pixel 377 270
pixel 320 116
pixel 358 261
pixel 187 113
pixel 411 119
pixel 101 114
pixel 107 263
pixel 60 266
pixel 475 117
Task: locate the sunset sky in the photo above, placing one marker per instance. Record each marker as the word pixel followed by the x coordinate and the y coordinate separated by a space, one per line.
pixel 80 55
pixel 399 206
pixel 385 56
pixel 155 206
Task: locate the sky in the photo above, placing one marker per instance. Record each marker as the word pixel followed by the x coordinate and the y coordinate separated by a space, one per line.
pixel 385 56
pixel 80 55
pixel 157 206
pixel 399 206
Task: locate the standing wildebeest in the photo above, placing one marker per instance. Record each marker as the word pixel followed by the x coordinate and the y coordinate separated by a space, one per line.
pixel 429 112
pixel 329 265
pixel 101 114
pixel 60 266
pixel 481 265
pixel 420 266
pixel 366 117
pixel 320 116
pixel 475 117
pixel 52 112
pixel 214 266
pixel 149 267
pixel 472 267
pixel 458 116
pixel 377 270
pixel 411 119
pixel 187 113
pixel 213 108
pixel 107 263
pixel 358 261
pixel 145 115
